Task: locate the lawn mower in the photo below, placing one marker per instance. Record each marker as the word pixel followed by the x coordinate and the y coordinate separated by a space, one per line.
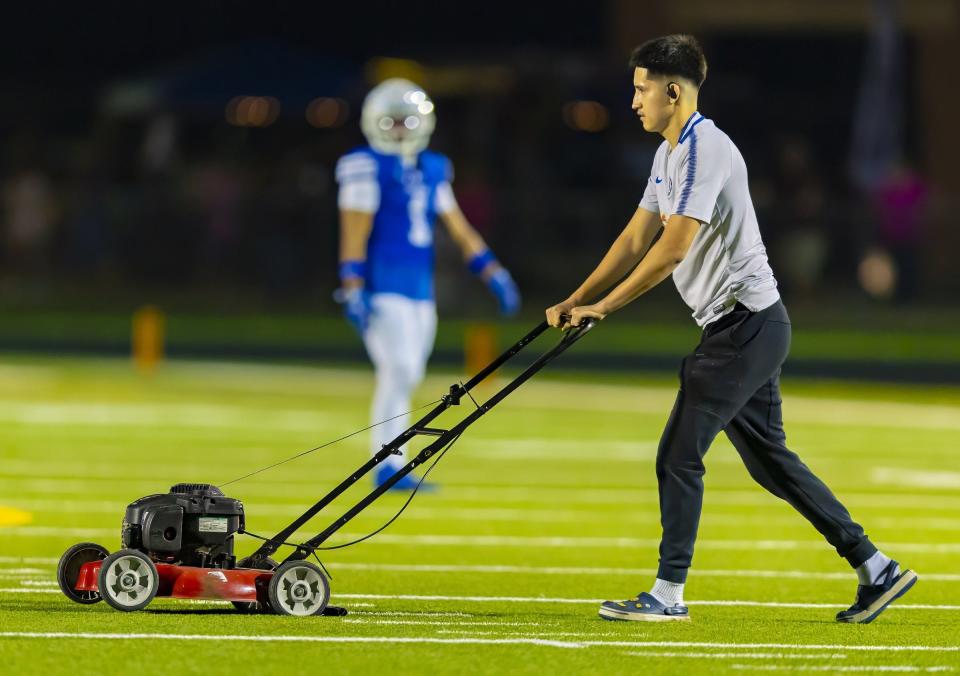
pixel 181 544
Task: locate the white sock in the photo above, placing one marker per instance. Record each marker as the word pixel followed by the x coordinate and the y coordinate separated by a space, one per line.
pixel 391 397
pixel 869 570
pixel 667 593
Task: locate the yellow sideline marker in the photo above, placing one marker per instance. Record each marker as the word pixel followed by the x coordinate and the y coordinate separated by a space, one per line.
pixel 479 346
pixel 147 338
pixel 11 516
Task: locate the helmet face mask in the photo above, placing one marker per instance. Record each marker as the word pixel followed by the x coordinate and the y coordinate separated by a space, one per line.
pixel 398 117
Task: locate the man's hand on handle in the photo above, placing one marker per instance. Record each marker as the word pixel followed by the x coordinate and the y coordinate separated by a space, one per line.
pixel 571 313
pixel 557 315
pixel 578 314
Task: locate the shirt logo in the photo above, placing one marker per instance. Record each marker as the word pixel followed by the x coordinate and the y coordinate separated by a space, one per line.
pixel 659 180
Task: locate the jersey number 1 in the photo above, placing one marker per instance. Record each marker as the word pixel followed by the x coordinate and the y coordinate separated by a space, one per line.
pixel 420 234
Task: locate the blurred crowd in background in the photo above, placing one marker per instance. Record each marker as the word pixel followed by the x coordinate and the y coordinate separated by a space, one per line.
pixel 193 166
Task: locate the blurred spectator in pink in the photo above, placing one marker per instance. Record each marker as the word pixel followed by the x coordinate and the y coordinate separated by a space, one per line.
pixel 900 201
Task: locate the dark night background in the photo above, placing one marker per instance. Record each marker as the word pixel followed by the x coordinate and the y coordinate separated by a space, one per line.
pixel 124 182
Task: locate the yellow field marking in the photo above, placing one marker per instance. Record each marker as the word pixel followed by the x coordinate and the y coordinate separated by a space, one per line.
pixel 11 516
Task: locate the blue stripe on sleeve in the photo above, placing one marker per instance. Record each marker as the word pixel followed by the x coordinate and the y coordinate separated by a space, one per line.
pixel 691 173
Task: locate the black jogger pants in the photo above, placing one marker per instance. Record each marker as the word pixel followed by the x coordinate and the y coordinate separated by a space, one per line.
pixel 731 382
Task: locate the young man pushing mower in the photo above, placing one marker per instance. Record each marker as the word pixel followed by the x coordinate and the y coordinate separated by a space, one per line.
pixel 711 245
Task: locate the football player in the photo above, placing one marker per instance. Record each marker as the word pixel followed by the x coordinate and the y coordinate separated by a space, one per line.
pixel 391 193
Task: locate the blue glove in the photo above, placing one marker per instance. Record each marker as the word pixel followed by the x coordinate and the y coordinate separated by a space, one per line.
pixel 502 286
pixel 356 307
pixel 355 301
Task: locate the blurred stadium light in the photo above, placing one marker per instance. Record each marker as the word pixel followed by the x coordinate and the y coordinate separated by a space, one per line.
pixel 588 116
pixel 326 112
pixel 252 111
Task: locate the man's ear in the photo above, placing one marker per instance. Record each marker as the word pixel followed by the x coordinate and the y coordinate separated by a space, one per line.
pixel 673 91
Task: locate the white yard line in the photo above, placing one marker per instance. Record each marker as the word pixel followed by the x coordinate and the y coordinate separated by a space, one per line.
pixel 900 476
pixel 471 641
pixel 166 415
pixel 30 559
pixel 47 560
pixel 500 449
pixel 292 639
pixel 419 512
pixel 538 542
pixel 564 450
pixel 536 494
pixel 845 576
pixel 441 623
pixel 743 655
pixel 559 395
pixel 787 604
pixel 503 514
pixel 538 599
pixel 624 542
pixel 781 646
pixel 553 395
pixel 400 613
pixel 28 590
pixel 831 668
pixel 619 496
pixel 531 634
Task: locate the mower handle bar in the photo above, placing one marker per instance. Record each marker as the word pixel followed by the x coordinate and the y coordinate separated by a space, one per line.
pixel 421 428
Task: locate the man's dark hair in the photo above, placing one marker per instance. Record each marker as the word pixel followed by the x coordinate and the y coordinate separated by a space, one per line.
pixel 678 55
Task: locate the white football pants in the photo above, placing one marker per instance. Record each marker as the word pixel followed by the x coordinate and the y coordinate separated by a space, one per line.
pixel 399 339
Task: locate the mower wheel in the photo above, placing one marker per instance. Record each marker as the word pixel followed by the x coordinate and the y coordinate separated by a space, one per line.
pixel 128 580
pixel 68 570
pixel 254 606
pixel 298 588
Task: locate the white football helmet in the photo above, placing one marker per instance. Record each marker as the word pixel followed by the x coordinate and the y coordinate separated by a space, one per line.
pixel 398 117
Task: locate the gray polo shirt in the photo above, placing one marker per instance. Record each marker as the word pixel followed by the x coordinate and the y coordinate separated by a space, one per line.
pixel 705 178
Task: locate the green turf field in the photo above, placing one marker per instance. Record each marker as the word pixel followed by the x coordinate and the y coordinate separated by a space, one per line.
pixel 546 506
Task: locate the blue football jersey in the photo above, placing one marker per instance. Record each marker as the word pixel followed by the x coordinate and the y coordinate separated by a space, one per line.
pixel 400 249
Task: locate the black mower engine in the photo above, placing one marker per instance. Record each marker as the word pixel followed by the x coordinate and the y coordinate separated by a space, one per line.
pixel 192 525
